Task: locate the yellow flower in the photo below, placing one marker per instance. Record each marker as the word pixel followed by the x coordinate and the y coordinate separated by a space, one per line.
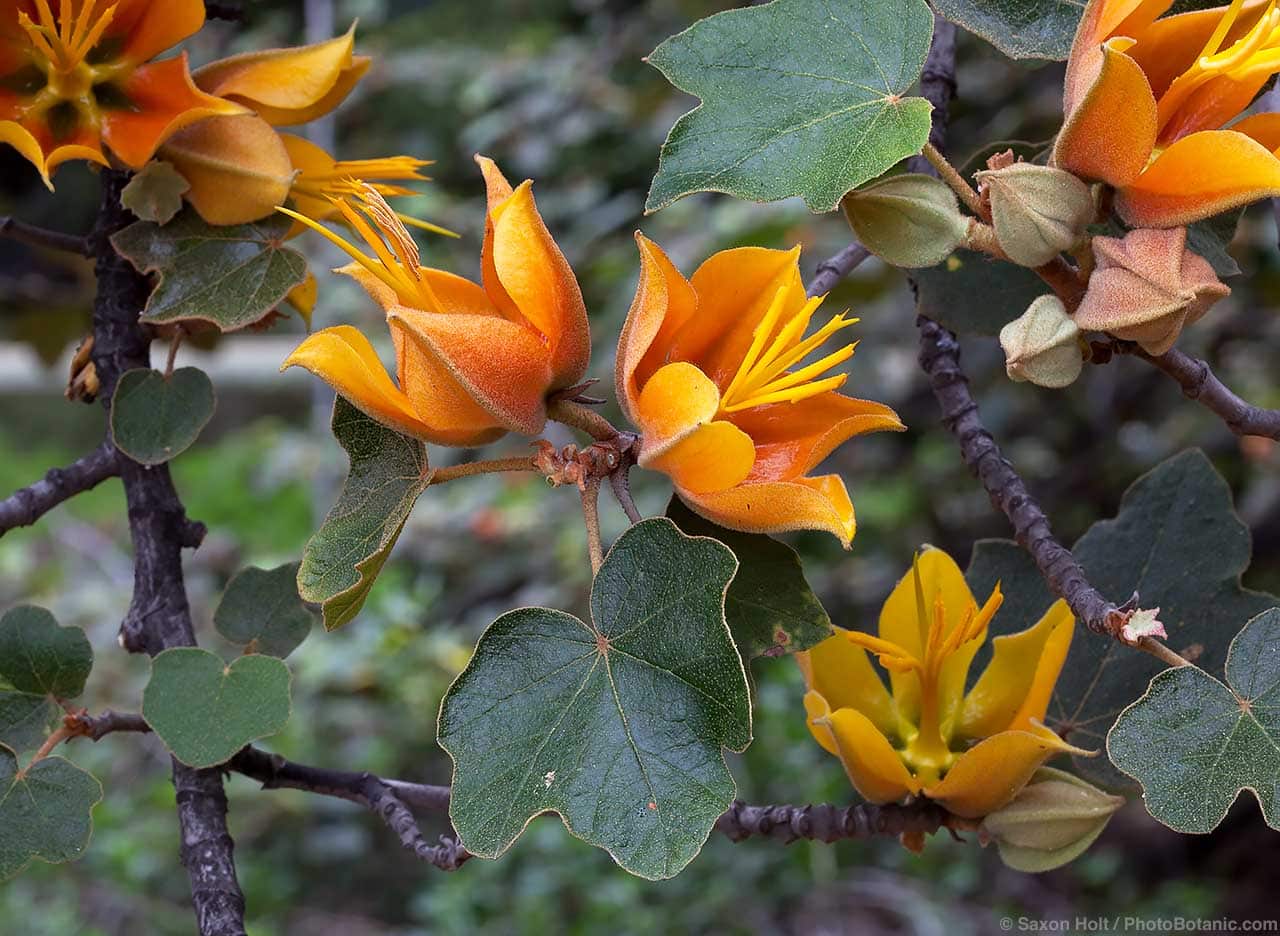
pixel 1146 99
pixel 474 361
pixel 971 752
pixel 710 369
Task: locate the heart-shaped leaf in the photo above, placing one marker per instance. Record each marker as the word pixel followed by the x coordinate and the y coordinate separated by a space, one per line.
pixel 38 656
pixel 263 609
pixel 799 97
pixel 1194 743
pixel 1178 543
pixel 155 192
pixel 617 725
pixel 154 418
pixel 26 718
pixel 45 812
pixel 230 276
pixel 770 607
pixel 388 472
pixel 205 711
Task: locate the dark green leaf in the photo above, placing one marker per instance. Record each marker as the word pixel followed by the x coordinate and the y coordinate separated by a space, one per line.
pixel 616 725
pixel 154 419
pixel 45 813
pixel 1038 29
pixel 1178 543
pixel 204 710
pixel 971 294
pixel 38 656
pixel 1194 743
pixel 155 193
pixel 230 276
pixel 26 719
pixel 263 608
pixel 799 97
pixel 343 559
pixel 770 607
pixel 1211 237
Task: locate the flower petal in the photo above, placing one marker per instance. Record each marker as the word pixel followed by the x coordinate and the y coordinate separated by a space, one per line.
pixel 502 366
pixel 1200 176
pixel 841 673
pixel 781 506
pixel 713 457
pixel 20 138
pixel 238 168
pixel 990 774
pixel 674 402
pixel 1110 132
pixel 793 438
pixel 537 279
pixel 1021 665
pixel 148 28
pixel 1265 128
pixel 343 358
pixel 163 100
pixel 663 302
pixel 873 766
pixel 289 86
pixel 1169 47
pixel 1212 105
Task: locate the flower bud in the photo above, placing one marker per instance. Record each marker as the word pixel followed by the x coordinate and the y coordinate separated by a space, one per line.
pixel 1147 286
pixel 1037 211
pixel 1043 345
pixel 907 220
pixel 1051 821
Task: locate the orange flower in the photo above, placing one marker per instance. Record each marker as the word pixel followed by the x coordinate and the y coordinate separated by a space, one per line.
pixel 473 361
pixel 74 83
pixel 1146 98
pixel 705 371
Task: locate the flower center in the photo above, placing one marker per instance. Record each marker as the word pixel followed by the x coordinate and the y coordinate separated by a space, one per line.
pixel 762 378
pixel 928 751
pixel 1255 53
pixel 65 41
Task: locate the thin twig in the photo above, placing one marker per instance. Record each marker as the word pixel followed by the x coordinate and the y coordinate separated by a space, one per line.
pixel 834 269
pixel 590 489
pixel 25 507
pixel 582 418
pixel 825 823
pixel 620 481
pixel 948 174
pixel 174 344
pixel 17 230
pixel 492 466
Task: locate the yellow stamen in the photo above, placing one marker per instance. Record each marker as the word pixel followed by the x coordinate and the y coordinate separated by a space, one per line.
pixel 1224 26
pixel 65 40
pixel 348 179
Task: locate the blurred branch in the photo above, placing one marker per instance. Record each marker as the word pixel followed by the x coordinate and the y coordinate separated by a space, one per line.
pixel 159 615
pixel 1199 383
pixel 827 823
pixel 231 12
pixel 17 230
pixel 25 507
pixel 834 269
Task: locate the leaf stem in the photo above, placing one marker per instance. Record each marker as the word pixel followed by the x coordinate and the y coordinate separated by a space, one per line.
pixel 590 490
pixel 61 734
pixel 491 466
pixel 175 343
pixel 1161 652
pixel 582 418
pixel 949 175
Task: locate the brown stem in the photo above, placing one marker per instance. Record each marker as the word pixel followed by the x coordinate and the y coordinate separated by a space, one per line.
pixel 948 174
pixel 1064 280
pixel 492 466
pixel 62 733
pixel 787 824
pixel 590 489
pixel 832 270
pixel 17 230
pixel 174 344
pixel 582 418
pixel 1161 652
pixel 25 507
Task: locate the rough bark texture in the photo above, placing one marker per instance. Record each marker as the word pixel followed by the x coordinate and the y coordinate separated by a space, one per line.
pixel 827 823
pixel 25 507
pixel 159 616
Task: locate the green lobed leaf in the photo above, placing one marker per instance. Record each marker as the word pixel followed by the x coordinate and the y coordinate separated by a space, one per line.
pixel 230 276
pixel 1211 237
pixel 38 656
pixel 155 192
pixel 205 711
pixel 799 97
pixel 26 719
pixel 971 294
pixel 617 725
pixel 154 419
pixel 1194 743
pixel 46 813
pixel 1177 542
pixel 262 608
pixel 388 473
pixel 770 608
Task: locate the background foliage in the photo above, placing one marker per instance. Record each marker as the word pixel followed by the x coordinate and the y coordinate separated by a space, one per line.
pixel 556 90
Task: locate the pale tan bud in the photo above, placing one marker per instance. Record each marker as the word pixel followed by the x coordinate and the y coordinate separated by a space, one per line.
pixel 1037 211
pixel 1051 821
pixel 907 220
pixel 1043 345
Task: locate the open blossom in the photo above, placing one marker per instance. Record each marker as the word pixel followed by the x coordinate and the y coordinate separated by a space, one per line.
pixel 1146 99
pixel 710 369
pixel 474 361
pixel 972 752
pixel 77 81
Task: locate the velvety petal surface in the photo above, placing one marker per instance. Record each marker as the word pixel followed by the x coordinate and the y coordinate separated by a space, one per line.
pixel 238 168
pixel 990 774
pixel 1110 132
pixel 820 503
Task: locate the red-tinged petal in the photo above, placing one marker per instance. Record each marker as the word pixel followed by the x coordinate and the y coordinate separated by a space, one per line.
pixel 1170 46
pixel 1212 105
pixel 990 774
pixel 820 503
pixel 842 674
pixel 539 281
pixel 664 301
pixel 1200 176
pixel 735 289
pixel 870 761
pixel 288 86
pixel 1110 132
pixel 238 168
pixel 343 358
pixel 162 101
pixel 502 366
pixel 793 438
pixel 1265 128
pixel 148 27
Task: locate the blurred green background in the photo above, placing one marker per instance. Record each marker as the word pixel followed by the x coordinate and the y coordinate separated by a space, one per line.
pixel 556 90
